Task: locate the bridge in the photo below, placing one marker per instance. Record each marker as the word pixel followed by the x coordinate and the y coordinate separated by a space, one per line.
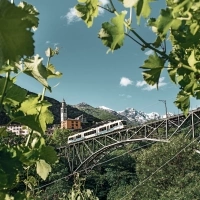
pixel 85 154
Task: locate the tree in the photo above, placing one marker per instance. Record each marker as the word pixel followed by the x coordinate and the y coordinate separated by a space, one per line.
pixel 178 23
pixel 168 171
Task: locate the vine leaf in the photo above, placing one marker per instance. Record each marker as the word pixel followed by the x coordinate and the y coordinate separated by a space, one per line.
pixel 15 41
pixel 14 94
pixel 164 22
pixel 183 101
pixel 35 68
pixel 112 35
pixel 155 65
pixel 172 74
pixel 33 107
pixel 87 11
pixel 143 9
pixel 48 154
pixel 129 3
pixel 43 169
pixel 192 60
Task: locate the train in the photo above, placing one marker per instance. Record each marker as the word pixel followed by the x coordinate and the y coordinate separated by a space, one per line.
pixel 100 130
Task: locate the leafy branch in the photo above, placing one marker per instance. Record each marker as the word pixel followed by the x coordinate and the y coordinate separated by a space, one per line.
pixel 177 23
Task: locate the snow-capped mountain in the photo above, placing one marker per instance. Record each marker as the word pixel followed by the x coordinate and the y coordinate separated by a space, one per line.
pixel 139 116
pixel 136 116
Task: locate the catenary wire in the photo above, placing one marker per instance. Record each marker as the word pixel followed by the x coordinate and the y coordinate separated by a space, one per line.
pixel 159 168
pixel 93 166
pixel 115 158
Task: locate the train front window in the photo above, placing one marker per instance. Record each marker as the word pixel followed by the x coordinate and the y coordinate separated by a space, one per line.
pixel 124 123
pixel 71 138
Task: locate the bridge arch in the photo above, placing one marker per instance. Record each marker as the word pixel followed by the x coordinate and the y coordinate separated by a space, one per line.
pixel 86 154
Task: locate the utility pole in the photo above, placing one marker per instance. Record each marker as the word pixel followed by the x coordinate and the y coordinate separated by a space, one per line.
pixel 164 101
pixel 166 130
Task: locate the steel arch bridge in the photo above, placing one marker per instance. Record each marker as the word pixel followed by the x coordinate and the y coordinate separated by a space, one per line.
pixel 85 154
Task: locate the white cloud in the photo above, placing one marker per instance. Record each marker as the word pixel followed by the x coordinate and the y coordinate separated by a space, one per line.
pixel 71 16
pixel 140 83
pixel 55 44
pixel 103 2
pixel 147 87
pixel 129 96
pixel 121 95
pixel 149 52
pixel 125 81
pixel 47 42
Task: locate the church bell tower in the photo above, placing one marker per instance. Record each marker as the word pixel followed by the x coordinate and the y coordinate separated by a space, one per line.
pixel 63 111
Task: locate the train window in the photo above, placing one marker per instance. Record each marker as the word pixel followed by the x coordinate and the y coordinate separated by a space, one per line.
pixel 78 136
pixel 90 133
pixel 102 129
pixel 124 123
pixel 70 138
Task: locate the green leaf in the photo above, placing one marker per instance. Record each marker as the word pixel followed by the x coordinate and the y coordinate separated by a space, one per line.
pixel 166 21
pixel 9 169
pixel 43 169
pixel 155 65
pixel 112 35
pixel 87 11
pixel 48 154
pixel 3 132
pixel 143 9
pixel 50 52
pixel 52 73
pixel 14 94
pixel 35 69
pixel 172 74
pixel 16 37
pixel 129 3
pixel 192 60
pixel 183 101
pixel 32 106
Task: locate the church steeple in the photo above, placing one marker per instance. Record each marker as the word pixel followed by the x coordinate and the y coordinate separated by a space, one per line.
pixel 63 111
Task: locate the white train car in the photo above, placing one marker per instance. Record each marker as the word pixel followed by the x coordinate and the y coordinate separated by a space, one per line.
pixel 103 129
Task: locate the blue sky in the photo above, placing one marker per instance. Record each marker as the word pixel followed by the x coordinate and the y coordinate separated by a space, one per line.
pixel 90 75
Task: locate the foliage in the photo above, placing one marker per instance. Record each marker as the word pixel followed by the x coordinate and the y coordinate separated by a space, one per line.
pixel 19 157
pixel 110 177
pixel 178 24
pixel 168 171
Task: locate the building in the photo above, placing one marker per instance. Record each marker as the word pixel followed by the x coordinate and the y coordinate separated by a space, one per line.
pixel 67 123
pixel 18 129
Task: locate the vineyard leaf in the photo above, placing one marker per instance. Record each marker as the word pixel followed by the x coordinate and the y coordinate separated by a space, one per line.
pixel 31 17
pixel 48 154
pixel 166 21
pixel 14 94
pixel 129 3
pixel 87 11
pixel 35 69
pixel 142 9
pixel 112 35
pixel 172 74
pixel 155 65
pixel 28 120
pixel 183 101
pixel 52 73
pixel 192 60
pixel 16 37
pixel 32 106
pixel 43 169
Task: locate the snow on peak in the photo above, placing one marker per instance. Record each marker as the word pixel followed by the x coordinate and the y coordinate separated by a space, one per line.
pixel 105 108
